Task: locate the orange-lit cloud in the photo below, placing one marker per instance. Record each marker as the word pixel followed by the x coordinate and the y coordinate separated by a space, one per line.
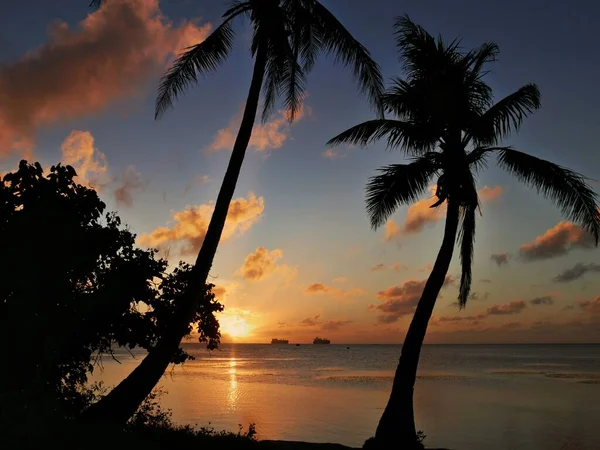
pixel 78 150
pixel 191 224
pixel 399 301
pixel 130 181
pixel 333 154
pixel 514 307
pixel 420 214
pixel 262 263
pixel 391 230
pixel 557 241
pixel 488 194
pixel 501 259
pixel 268 136
pixel 591 306
pixel 320 288
pixel 110 55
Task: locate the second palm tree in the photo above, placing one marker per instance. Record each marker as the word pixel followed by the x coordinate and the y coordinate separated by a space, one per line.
pixel 447 122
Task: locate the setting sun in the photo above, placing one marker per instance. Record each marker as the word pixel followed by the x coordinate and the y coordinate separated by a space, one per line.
pixel 234 326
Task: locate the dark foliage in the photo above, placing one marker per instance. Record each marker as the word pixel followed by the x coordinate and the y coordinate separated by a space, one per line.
pixel 74 287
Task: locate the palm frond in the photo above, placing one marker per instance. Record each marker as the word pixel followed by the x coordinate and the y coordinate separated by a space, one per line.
pixel 469 203
pixel 202 58
pixel 306 39
pixel 476 59
pixel 505 116
pixel 418 49
pixel 336 40
pixel 398 184
pixel 567 189
pixel 467 242
pixel 237 8
pixel 404 135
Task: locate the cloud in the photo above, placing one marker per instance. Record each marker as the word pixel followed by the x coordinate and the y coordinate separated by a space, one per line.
pixel 131 180
pixel 198 180
pixel 268 136
pixel 401 300
pixel 557 241
pixel 396 267
pixel 592 306
pixel 420 214
pixel 489 194
pixel 191 224
pixel 78 150
pixel 333 154
pixel 334 325
pixel 110 55
pixel 320 288
pixel 514 307
pixel 312 321
pixel 330 325
pixel 545 300
pixel 576 272
pixel 340 280
pixel 262 263
pixel 222 291
pixel 391 230
pixel 501 259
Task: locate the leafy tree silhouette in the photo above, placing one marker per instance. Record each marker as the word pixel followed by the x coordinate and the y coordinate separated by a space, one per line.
pixel 74 286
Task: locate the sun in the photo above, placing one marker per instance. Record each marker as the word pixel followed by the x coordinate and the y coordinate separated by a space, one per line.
pixel 234 326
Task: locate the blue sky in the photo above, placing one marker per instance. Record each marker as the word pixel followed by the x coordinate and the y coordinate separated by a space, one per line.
pixel 313 217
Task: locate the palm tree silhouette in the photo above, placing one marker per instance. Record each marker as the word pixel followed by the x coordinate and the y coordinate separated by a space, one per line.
pixel 288 36
pixel 448 124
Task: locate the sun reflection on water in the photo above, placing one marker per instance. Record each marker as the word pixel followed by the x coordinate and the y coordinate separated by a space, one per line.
pixel 232 395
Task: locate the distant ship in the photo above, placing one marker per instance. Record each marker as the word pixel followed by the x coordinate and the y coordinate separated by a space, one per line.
pixel 279 341
pixel 319 340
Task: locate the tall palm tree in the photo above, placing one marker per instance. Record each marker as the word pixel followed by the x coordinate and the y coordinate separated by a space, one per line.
pixel 288 35
pixel 448 124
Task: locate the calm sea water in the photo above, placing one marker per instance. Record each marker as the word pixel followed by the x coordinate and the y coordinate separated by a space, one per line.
pixel 497 397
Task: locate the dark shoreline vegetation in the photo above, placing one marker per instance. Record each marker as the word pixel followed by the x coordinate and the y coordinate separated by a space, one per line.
pixel 74 275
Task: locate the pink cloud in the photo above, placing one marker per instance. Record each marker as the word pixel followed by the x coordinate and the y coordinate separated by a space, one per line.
pixel 110 55
pixel 557 241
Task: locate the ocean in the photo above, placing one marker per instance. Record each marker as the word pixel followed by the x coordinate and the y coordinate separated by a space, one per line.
pixel 496 397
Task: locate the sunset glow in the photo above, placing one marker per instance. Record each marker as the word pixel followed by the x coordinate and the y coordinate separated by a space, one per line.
pixel 297 256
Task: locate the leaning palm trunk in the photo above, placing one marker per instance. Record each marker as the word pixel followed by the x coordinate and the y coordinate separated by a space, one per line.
pixel 122 402
pixel 397 423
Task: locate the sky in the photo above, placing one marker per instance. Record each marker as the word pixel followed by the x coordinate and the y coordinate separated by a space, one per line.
pixel 298 258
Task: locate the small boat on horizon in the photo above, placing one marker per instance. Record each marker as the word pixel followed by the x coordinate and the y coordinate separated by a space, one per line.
pixel 279 341
pixel 319 340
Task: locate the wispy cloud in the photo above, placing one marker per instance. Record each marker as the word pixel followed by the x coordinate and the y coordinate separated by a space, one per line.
pixel 268 136
pixel 576 272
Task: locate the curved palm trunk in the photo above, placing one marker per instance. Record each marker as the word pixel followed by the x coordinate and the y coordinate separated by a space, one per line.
pixel 396 427
pixel 122 402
